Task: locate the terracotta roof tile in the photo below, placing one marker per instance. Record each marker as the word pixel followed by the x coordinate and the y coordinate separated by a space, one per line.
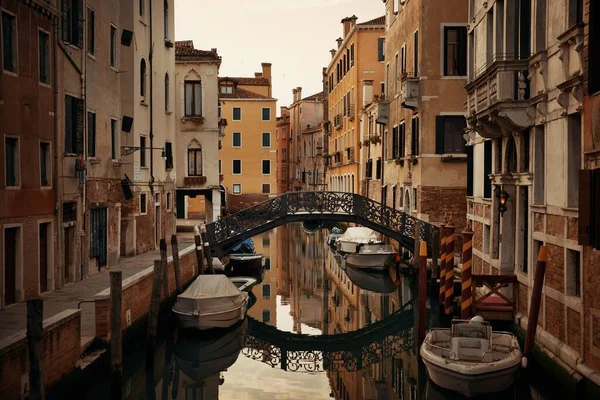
pixel 316 96
pixel 248 81
pixel 376 21
pixel 242 94
pixel 185 49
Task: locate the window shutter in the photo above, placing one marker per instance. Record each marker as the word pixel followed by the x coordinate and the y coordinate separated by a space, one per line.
pixel 79 126
pixel 462 51
pixel 445 53
pixel 80 23
pixel 68 125
pixel 470 170
pixel 402 140
pixel 585 181
pixel 380 49
pixel 439 132
pixel 65 20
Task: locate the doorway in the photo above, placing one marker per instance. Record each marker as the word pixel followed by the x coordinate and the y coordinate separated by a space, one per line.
pixel 11 259
pixel 44 235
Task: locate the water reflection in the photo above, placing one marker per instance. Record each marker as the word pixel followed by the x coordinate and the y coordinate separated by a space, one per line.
pixel 316 329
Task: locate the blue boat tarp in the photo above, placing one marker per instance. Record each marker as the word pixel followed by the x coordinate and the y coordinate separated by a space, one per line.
pixel 247 246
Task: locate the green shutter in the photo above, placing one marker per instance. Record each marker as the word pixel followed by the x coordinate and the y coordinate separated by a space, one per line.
pixel 65 20
pixel 439 135
pixel 380 49
pixel 79 125
pixel 462 51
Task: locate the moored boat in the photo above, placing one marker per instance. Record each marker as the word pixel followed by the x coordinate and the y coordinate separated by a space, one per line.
pixel 470 358
pixel 246 260
pixel 371 256
pixel 371 280
pixel 244 283
pixel 211 301
pixel 354 237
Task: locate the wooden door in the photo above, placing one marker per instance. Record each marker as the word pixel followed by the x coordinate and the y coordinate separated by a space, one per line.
pixel 10 265
pixel 43 240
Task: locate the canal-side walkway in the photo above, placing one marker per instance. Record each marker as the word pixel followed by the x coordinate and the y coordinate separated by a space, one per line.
pixel 13 319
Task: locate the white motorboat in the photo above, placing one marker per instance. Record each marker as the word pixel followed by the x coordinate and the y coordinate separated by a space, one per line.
pixel 356 237
pixel 375 256
pixel 246 260
pixel 211 301
pixel 332 238
pixel 244 283
pixel 371 280
pixel 470 358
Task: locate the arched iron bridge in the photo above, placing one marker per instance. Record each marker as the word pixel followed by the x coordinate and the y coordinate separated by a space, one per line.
pixel 321 206
pixel 350 351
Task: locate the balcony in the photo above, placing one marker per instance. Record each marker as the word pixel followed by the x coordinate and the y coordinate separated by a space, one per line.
pixel 497 98
pixel 337 121
pixel 383 112
pixel 194 181
pixel 350 111
pixel 410 91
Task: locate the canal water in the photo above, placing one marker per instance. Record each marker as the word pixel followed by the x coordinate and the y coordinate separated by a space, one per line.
pixel 348 335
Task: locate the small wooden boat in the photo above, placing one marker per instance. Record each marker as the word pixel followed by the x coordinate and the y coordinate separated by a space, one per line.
pixel 211 301
pixel 470 358
pixel 246 260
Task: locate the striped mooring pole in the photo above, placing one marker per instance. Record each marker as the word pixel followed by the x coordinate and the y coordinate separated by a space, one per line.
pixel 443 262
pixel 467 255
pixel 449 299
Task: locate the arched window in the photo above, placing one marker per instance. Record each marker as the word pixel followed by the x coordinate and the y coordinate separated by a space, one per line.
pixel 194 159
pixel 143 78
pixel 166 19
pixel 166 91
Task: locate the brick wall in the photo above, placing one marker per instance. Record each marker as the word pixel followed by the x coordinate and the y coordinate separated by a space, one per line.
pixel 137 292
pixel 240 202
pixel 555 268
pixel 436 201
pixel 555 321
pixel 62 336
pixel 591 306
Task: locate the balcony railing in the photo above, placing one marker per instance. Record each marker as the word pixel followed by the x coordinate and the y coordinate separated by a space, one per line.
pixel 194 180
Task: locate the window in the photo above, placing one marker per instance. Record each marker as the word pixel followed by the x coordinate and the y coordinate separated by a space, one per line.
pixel 470 170
pixel 237 188
pixel 166 19
pixel 237 167
pixel 455 51
pixel 113 46
pixel 352 54
pixel 12 161
pixel 403 59
pixel 195 162
pixel 143 203
pixel 266 188
pixel 226 89
pixel 266 242
pixel 237 139
pixel 573 158
pixel 378 169
pixel 573 273
pixel 193 98
pixel 220 166
pixel 589 209
pixel 167 105
pixel 283 154
pixel 91 31
pixel 266 167
pixel 9 42
pixel 142 8
pixel 45 166
pixel 381 49
pixel 44 56
pixel 414 198
pixel 73 125
pixel 169 151
pixel 267 264
pixel 72 22
pixel 266 316
pixel 402 139
pixel 143 78
pixel 219 112
pixel 266 114
pixel 142 151
pixel 576 12
pixel 266 139
pixel 169 201
pixel 539 164
pixel 266 291
pixel 396 74
pixel 416 53
pixel 414 147
pixel 449 134
pixel 594 47
pixel 237 114
pixel 114 139
pixel 91 130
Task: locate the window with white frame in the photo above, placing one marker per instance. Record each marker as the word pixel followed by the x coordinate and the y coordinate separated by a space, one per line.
pixel 237 188
pixel 237 167
pixel 266 139
pixel 193 98
pixel 9 42
pixel 266 114
pixel 143 78
pixel 91 31
pixel 44 56
pixel 266 167
pixel 237 114
pixel 266 188
pixel 236 138
pixel 455 51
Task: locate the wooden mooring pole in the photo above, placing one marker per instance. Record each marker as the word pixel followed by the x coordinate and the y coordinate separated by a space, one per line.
pixel 175 252
pixel 199 259
pixel 422 291
pixel 443 264
pixel 116 342
pixel 416 247
pixel 165 267
pixel 35 346
pixel 534 308
pixel 154 310
pixel 449 283
pixel 207 252
pixel 466 281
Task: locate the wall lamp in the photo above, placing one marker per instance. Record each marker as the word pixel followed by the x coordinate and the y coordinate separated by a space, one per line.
pixel 502 197
pixel 127 150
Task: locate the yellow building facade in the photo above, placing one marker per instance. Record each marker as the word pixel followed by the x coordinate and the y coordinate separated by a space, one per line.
pixel 247 157
pixel 355 59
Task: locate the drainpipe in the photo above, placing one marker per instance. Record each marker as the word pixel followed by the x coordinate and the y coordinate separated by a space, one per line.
pixel 57 186
pixel 150 59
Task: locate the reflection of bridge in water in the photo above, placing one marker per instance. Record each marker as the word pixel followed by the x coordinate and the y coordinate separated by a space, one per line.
pixel 350 351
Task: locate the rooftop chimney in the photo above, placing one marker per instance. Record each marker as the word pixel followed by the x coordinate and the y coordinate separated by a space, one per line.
pixel 348 24
pixel 284 110
pixel 339 42
pixel 266 73
pixel 214 50
pixel 258 75
pixel 333 51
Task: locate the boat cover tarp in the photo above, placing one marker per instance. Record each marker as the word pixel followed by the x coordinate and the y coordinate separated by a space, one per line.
pixel 209 294
pixel 247 246
pixel 358 234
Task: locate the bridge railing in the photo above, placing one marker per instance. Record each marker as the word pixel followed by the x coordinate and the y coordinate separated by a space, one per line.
pixel 323 203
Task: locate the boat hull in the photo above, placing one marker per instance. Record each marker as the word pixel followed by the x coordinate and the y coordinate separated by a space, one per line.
pixel 241 262
pixel 352 246
pixel 369 260
pixel 223 319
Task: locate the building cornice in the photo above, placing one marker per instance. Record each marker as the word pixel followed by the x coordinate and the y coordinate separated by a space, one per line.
pixel 43 8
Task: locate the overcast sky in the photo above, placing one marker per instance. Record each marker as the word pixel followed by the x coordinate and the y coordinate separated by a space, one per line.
pixel 294 35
